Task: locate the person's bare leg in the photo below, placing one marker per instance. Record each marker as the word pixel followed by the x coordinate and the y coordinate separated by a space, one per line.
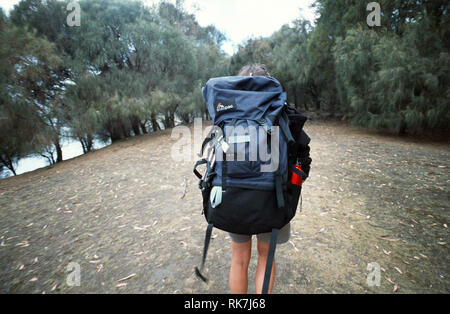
pixel 241 253
pixel 263 251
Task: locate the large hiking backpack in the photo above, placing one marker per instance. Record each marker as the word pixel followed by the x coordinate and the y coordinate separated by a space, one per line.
pixel 254 145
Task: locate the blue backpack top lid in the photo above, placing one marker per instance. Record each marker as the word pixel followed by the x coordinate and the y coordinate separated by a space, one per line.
pixel 245 97
pixel 242 102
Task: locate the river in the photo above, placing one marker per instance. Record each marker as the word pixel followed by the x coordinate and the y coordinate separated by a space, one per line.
pixel 70 148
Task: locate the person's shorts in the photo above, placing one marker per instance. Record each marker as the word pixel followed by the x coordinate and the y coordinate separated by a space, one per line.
pixel 283 236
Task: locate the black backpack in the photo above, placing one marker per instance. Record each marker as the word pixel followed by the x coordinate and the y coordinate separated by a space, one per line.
pixel 256 144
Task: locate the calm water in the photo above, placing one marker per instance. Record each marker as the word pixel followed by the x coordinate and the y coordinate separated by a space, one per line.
pixel 70 149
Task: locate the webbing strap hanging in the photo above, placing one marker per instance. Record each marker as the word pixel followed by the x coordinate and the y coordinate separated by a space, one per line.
pixel 210 137
pixel 265 124
pixel 207 140
pixel 269 262
pixel 205 252
pixel 224 171
pixel 198 163
pixel 283 122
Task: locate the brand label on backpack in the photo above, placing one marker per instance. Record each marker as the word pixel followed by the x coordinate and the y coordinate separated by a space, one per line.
pixel 225 105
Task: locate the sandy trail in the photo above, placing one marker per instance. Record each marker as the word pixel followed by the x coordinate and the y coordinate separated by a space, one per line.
pixel 118 213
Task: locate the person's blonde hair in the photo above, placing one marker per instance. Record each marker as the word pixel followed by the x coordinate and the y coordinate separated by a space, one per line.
pixel 254 70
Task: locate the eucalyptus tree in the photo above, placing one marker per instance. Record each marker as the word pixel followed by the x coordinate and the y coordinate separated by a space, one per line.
pixel 47 19
pixel 29 104
pixel 395 77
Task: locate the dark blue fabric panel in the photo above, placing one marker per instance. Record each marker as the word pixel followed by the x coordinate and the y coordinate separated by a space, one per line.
pixel 255 97
pixel 247 173
pixel 246 100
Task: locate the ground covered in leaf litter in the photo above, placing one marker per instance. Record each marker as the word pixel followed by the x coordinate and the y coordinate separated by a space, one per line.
pixel 131 218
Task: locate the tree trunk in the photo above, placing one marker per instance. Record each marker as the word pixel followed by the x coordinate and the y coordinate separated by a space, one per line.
pixel 114 134
pixel 8 163
pixel 155 125
pixel 87 143
pixel 115 138
pixel 111 127
pixel 166 120
pixel 172 117
pixel 125 131
pixel 11 167
pixel 295 99
pixel 135 125
pixel 143 127
pixel 83 145
pixel 317 101
pixel 59 154
pixel 315 96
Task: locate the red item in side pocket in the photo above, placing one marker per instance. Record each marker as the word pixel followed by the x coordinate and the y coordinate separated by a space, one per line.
pixel 295 178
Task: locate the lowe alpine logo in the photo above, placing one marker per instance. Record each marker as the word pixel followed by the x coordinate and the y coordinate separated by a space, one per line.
pixel 227 105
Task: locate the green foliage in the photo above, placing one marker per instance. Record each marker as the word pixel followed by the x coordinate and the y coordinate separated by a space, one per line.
pixel 255 50
pixel 130 69
pixel 394 77
pixel 126 67
pixel 291 62
pixel 392 82
pixel 27 78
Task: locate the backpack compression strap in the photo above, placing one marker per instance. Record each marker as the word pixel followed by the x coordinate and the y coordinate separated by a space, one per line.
pixel 198 163
pixel 205 252
pixel 298 172
pixel 269 262
pixel 283 123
